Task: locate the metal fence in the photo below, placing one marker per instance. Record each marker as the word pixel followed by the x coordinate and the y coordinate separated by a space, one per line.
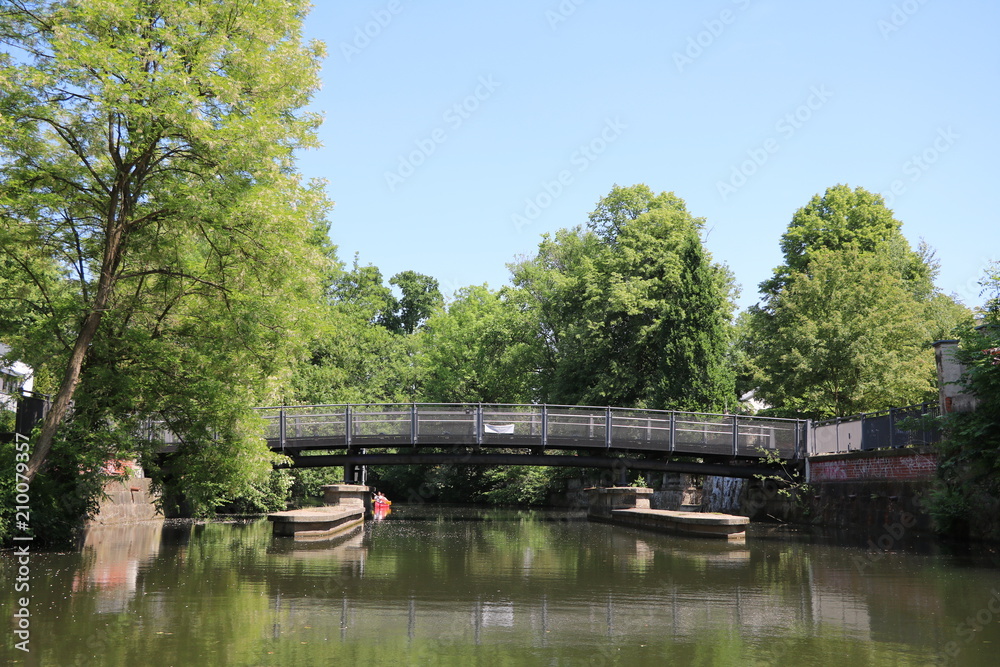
pixel 535 426
pixel 875 430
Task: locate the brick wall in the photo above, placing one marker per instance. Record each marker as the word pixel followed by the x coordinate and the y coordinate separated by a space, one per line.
pixel 893 465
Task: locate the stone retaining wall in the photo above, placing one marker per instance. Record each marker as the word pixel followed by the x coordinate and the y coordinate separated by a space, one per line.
pixel 127 501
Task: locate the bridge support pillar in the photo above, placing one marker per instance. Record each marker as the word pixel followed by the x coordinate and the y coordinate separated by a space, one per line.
pixel 345 495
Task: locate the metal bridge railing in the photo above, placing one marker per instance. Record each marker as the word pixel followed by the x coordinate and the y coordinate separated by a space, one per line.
pixel 874 430
pixel 536 426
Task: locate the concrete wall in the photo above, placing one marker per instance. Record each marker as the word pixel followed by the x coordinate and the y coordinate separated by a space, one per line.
pixel 860 505
pixel 676 490
pixel 951 393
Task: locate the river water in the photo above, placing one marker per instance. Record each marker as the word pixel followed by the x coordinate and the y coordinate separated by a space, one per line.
pixel 454 586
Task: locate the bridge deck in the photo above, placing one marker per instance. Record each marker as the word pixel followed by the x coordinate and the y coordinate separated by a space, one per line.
pixel 295 429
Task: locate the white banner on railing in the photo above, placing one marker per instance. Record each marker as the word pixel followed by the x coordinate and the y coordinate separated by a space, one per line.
pixel 498 428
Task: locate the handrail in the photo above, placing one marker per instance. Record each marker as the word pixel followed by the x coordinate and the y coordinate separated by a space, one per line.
pixel 532 425
pixel 539 406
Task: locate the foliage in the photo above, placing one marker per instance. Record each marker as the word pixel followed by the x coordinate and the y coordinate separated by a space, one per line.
pixel 445 483
pixel 788 485
pixel 969 466
pixel 8 419
pixel 268 495
pixel 845 324
pixel 62 498
pixel 351 359
pixel 519 485
pixel 840 219
pixel 306 482
pixel 420 296
pixel 837 344
pixel 149 217
pixel 481 349
pixel 633 311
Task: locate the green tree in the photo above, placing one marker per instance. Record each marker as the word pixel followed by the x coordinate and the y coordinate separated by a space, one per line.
pixel 151 213
pixel 845 324
pixel 420 295
pixel 844 218
pixel 845 337
pixel 481 349
pixel 631 312
pixel 352 358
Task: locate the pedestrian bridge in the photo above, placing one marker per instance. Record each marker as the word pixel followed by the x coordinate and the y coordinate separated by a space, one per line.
pixel 559 435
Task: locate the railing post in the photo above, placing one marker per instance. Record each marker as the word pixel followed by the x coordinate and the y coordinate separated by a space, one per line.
pixel 736 435
pixel 545 426
pixel 672 437
pixel 479 425
pixel 861 445
pixel 281 427
pixel 925 436
pixel 892 428
pixel 413 425
pixel 607 428
pixel 348 425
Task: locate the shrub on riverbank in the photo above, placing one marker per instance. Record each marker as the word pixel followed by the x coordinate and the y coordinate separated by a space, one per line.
pixel 966 502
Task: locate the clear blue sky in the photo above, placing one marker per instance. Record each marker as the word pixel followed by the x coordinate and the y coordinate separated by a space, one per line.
pixel 445 120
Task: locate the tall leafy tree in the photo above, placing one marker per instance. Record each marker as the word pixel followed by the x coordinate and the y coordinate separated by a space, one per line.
pixel 845 218
pixel 151 208
pixel 420 295
pixel 352 357
pixel 632 311
pixel 845 337
pixel 480 349
pixel 844 325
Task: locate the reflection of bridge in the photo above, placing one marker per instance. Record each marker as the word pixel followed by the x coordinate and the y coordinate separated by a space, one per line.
pixel 529 434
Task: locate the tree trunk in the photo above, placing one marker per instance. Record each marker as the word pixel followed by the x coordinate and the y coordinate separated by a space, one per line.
pixel 113 248
pixel 60 405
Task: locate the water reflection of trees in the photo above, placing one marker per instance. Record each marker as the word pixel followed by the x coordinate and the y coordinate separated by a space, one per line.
pixel 233 592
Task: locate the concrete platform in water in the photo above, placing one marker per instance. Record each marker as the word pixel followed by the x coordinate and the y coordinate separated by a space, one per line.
pixel 345 507
pixel 696 524
pixel 629 506
pixel 315 521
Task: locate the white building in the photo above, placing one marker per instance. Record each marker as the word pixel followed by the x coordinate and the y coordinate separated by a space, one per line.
pixel 15 379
